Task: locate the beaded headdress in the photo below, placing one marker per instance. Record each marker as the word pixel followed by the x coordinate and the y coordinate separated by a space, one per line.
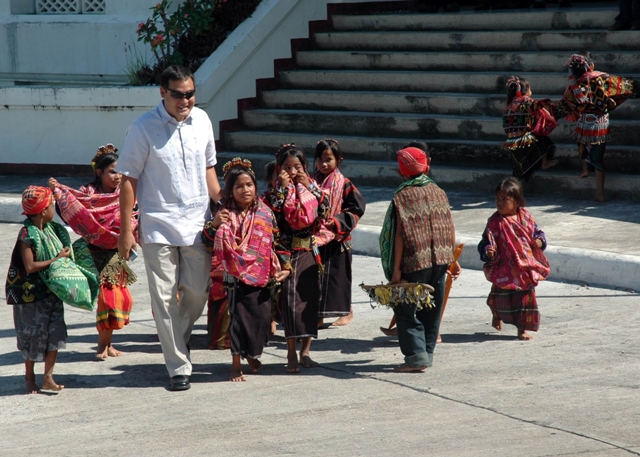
pixel 578 61
pixel 285 147
pixel 237 162
pixel 514 81
pixel 103 150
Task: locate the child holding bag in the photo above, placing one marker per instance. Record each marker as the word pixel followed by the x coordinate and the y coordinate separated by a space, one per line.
pixel 38 313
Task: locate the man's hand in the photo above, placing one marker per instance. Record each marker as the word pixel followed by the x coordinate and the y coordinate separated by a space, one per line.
pixel 126 242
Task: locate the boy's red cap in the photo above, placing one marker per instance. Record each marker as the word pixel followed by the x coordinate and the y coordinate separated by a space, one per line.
pixel 412 161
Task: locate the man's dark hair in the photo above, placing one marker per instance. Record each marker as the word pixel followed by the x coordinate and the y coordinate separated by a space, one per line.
pixel 176 73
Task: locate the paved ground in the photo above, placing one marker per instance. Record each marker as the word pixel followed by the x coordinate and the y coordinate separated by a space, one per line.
pixel 572 391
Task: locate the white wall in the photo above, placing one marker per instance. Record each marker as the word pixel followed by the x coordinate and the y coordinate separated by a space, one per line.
pixel 46 125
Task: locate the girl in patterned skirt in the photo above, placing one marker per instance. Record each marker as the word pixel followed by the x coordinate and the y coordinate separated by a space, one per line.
pixel 93 212
pixel 244 243
pixel 333 234
pixel 511 248
pixel 297 202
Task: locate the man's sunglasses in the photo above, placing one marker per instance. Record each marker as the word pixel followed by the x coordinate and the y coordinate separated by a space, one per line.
pixel 180 95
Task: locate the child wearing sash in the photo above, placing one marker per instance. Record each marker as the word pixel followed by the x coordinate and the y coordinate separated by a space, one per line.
pixel 511 248
pixel 38 314
pixel 93 212
pixel 417 243
pixel 297 202
pixel 333 234
pixel 245 230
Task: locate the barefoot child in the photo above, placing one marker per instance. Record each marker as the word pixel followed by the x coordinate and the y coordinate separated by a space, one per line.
pixel 416 246
pixel 590 97
pixel 527 123
pixel 244 244
pixel 38 313
pixel 511 248
pixel 333 234
pixel 93 212
pixel 297 202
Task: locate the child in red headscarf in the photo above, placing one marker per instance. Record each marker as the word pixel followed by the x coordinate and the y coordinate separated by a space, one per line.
pixel 416 245
pixel 38 313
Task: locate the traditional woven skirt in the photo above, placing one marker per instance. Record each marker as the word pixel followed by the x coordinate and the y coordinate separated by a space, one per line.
pixel 40 327
pixel 250 309
pixel 516 307
pixel 218 320
pixel 114 307
pixel 528 160
pixel 300 297
pixel 335 283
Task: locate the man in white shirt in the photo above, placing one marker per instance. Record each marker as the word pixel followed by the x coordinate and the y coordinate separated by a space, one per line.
pixel 167 163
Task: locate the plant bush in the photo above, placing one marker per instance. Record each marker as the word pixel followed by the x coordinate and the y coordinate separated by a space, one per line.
pixel 188 35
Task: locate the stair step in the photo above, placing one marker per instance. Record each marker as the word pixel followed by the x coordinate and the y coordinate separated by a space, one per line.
pixel 420 81
pixel 427 126
pixel 385 173
pixel 508 62
pixel 576 18
pixel 507 40
pixel 451 103
pixel 446 151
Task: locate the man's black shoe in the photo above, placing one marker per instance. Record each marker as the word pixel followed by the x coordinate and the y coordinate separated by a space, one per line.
pixel 179 382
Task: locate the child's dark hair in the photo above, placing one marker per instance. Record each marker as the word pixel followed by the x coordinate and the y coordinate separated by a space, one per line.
pixel 230 178
pixel 290 150
pixel 418 144
pixel 513 188
pixel 516 84
pixel 269 171
pixel 105 156
pixel 329 143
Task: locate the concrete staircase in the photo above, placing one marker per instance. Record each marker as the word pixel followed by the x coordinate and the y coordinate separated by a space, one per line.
pixel 377 81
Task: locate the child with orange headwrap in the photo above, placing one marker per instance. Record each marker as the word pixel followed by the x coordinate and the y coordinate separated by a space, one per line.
pixel 38 314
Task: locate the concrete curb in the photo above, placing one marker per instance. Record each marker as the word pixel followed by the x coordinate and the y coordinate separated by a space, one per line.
pixel 567 264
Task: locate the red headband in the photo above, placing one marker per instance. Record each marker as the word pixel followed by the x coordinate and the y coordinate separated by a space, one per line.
pixel 35 199
pixel 412 161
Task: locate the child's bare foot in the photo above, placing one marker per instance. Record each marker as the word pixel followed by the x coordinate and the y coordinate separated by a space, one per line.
pixel 254 364
pixel 439 339
pixel 584 174
pixel 600 198
pixel 274 327
pixel 102 353
pixel 292 364
pixel 306 362
pixel 320 322
pixel 237 376
pixel 523 335
pixel 49 384
pixel 389 331
pixel 343 320
pixel 496 323
pixel 31 386
pixel 549 163
pixel 404 368
pixel 113 352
